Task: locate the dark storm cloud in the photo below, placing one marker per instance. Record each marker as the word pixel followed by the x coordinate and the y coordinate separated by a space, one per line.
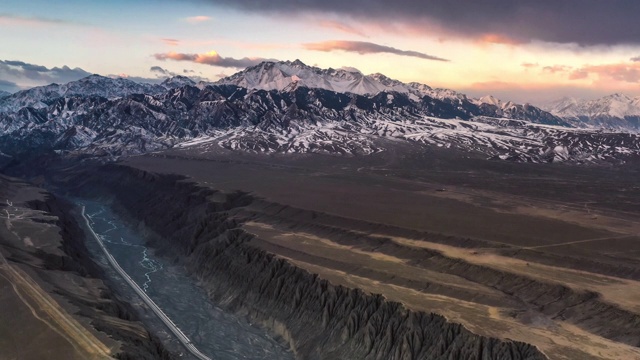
pixel 20 72
pixel 25 66
pixel 586 22
pixel 211 58
pixel 161 72
pixel 8 86
pixel 362 47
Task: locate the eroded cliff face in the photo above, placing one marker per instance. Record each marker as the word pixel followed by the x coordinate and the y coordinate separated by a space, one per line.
pixel 56 259
pixel 524 294
pixel 109 313
pixel 201 229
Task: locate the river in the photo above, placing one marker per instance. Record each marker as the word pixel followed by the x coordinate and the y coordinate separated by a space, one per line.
pixel 216 333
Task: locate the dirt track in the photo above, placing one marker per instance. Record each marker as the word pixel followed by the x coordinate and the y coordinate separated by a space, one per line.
pixel 41 305
pixel 53 302
pixel 46 309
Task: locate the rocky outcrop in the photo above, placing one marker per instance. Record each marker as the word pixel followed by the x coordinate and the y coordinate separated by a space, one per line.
pixel 200 229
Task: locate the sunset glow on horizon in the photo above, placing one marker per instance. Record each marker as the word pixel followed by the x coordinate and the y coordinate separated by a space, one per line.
pixel 530 51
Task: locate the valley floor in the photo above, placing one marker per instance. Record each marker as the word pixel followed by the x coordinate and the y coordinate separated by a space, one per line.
pixel 34 324
pixel 53 301
pixel 543 254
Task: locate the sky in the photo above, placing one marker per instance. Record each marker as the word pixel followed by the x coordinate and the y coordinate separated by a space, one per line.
pixel 522 50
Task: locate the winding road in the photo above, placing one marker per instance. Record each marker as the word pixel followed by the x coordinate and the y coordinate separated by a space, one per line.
pixel 45 308
pixel 186 342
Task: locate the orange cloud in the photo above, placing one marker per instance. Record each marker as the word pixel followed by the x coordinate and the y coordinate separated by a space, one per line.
pixel 556 69
pixel 498 39
pixel 171 42
pixel 369 28
pixel 529 65
pixel 578 75
pixel 622 72
pixel 197 19
pixel 363 47
pixel 211 58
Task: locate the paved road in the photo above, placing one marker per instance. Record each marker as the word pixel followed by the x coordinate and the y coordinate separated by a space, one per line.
pixel 186 342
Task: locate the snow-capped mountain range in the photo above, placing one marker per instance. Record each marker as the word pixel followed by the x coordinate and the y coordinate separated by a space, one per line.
pixel 93 85
pixel 287 75
pixel 177 81
pixel 290 107
pixel 617 111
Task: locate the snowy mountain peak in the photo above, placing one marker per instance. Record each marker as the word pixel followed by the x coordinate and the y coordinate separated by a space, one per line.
pixel 271 75
pixel 618 97
pixel 110 88
pixel 566 100
pixel 618 111
pixel 92 85
pixel 297 63
pixel 511 105
pixel 287 76
pixel 491 100
pixel 566 106
pixel 96 77
pixel 351 70
pixel 616 105
pixel 381 78
pixel 177 81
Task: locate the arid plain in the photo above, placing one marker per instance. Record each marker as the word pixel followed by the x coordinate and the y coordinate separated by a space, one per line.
pixel 541 253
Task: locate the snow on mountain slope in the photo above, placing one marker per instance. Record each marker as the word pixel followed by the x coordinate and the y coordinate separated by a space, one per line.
pixel 417 90
pixel 177 81
pixel 283 75
pixel 568 107
pixel 93 85
pixel 96 85
pixel 616 111
pixel 287 76
pixel 490 100
pixel 280 75
pixel 4 94
pixel 499 139
pixel 301 120
pixel 615 105
pixel 114 117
